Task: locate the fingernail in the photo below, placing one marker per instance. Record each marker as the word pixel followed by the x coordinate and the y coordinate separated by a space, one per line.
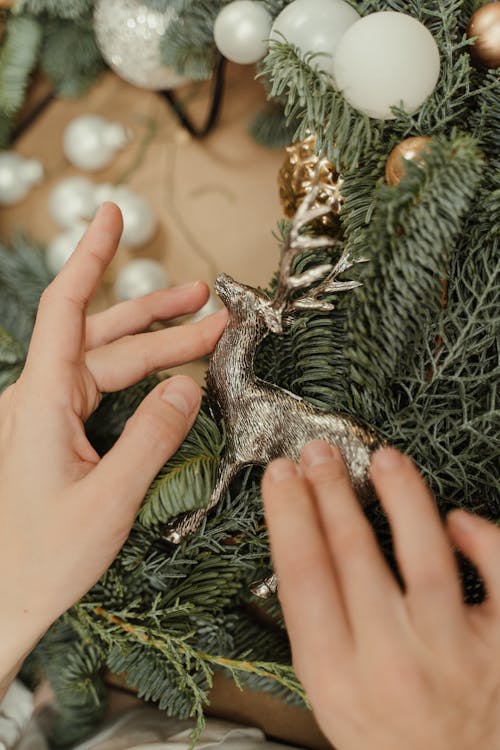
pixel 387 459
pixel 188 285
pixel 317 452
pixel 281 469
pixel 465 522
pixel 183 394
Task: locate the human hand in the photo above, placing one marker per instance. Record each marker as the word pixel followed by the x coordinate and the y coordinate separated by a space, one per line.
pixel 64 511
pixel 383 669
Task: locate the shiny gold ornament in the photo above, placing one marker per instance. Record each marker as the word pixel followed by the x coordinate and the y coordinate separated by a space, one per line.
pixel 485 26
pixel 410 149
pixel 300 172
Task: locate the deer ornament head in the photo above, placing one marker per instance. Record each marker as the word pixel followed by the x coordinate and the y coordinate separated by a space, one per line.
pixel 262 421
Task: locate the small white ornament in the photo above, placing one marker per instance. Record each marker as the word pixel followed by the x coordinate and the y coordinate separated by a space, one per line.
pixel 384 60
pixel 315 26
pixel 140 276
pixel 72 200
pixel 210 307
pixel 241 31
pixel 61 247
pixel 91 142
pixel 129 33
pixel 17 176
pixel 139 220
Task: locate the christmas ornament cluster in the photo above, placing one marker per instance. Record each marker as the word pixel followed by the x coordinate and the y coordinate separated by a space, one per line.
pixel 381 61
pixel 90 143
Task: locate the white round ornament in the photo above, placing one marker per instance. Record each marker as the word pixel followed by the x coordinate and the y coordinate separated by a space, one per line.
pixel 315 26
pixel 129 34
pixel 241 31
pixel 61 247
pixel 91 142
pixel 139 220
pixel 385 60
pixel 72 200
pixel 211 306
pixel 140 276
pixel 17 176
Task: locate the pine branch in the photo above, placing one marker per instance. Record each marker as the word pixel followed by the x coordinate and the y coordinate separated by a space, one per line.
pixel 70 56
pixel 18 56
pixel 188 44
pixel 187 480
pixel 409 258
pixel 12 356
pixel 67 9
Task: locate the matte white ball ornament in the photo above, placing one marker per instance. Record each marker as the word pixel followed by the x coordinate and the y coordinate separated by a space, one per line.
pixel 315 26
pixel 139 220
pixel 384 60
pixel 17 176
pixel 61 247
pixel 211 306
pixel 241 31
pixel 140 276
pixel 91 142
pixel 71 200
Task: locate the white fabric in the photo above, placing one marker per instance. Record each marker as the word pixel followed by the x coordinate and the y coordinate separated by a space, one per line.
pixel 16 710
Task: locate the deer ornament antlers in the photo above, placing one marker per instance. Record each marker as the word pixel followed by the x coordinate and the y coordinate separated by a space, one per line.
pixel 263 421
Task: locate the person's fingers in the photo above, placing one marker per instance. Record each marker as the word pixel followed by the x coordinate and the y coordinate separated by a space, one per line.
pixel 369 590
pixel 479 540
pixel 58 336
pixel 313 609
pixel 137 315
pixel 151 436
pixel 423 550
pixel 121 363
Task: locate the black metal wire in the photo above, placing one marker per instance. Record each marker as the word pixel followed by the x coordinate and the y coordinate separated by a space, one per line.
pixel 215 105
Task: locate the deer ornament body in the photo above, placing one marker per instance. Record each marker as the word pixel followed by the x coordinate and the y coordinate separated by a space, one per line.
pixel 264 421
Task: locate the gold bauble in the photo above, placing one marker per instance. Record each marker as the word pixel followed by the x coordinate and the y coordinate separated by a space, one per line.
pixel 485 26
pixel 297 177
pixel 410 149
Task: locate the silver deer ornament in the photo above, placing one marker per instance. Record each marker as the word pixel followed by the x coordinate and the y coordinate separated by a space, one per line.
pixel 263 421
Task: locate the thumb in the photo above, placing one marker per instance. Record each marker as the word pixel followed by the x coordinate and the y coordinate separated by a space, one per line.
pixel 151 436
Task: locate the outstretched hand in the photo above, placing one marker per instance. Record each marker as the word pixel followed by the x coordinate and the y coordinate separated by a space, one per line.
pixel 64 511
pixel 385 669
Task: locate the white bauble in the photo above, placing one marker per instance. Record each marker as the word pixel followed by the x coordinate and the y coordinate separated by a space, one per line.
pixel 315 26
pixel 61 247
pixel 387 59
pixel 91 142
pixel 211 306
pixel 241 31
pixel 140 276
pixel 129 34
pixel 72 200
pixel 139 219
pixel 17 176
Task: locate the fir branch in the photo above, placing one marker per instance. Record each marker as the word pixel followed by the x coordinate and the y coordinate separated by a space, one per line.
pixel 67 9
pixel 409 257
pixel 12 356
pixel 23 277
pixel 188 44
pixel 18 56
pixel 187 480
pixel 311 100
pixel 70 56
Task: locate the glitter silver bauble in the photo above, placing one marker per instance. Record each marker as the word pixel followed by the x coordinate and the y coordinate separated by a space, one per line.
pixel 129 34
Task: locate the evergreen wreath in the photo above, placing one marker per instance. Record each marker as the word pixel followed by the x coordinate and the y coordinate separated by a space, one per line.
pixel 425 376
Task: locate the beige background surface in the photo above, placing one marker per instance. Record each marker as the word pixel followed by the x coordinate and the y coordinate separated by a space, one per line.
pixel 218 204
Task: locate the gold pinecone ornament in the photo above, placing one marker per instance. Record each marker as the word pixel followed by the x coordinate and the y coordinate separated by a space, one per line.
pixel 297 177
